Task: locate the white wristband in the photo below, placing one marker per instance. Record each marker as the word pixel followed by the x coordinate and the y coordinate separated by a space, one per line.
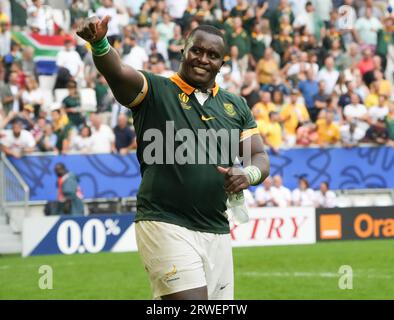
pixel 254 174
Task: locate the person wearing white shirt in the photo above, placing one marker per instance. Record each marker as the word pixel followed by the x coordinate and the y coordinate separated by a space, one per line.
pixel 264 194
pixel 36 18
pixel 355 111
pixel 137 57
pixel 282 194
pixel 109 9
pixel 329 74
pixel 176 8
pixel 325 198
pixel 82 142
pixel 17 142
pixel 103 138
pixel 156 45
pixel 166 28
pixel 367 28
pixel 303 196
pixel 380 111
pixel 70 60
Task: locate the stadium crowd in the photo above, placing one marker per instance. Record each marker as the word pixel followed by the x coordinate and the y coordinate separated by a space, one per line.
pixel 314 72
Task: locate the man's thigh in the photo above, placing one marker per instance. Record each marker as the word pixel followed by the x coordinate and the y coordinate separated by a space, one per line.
pixel 169 255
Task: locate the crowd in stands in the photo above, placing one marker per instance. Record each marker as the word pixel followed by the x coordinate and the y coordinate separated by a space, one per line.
pixel 316 72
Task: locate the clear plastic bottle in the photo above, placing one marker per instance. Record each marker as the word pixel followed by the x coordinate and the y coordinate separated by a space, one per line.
pixel 237 208
pixel 236 203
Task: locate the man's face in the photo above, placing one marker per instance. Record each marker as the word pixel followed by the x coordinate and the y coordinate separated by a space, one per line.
pixel 277 181
pixel 17 129
pixel 202 59
pixel 59 171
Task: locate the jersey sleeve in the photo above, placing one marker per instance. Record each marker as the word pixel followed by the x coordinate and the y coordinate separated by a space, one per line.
pixel 249 126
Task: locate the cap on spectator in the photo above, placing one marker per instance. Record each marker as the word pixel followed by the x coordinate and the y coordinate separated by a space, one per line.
pixel 28 107
pixel 56 106
pixel 295 92
pixel 156 58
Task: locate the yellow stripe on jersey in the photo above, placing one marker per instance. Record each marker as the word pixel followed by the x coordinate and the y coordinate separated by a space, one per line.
pixel 141 96
pixel 248 133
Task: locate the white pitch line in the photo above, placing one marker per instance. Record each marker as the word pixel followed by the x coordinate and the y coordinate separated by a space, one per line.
pixel 311 274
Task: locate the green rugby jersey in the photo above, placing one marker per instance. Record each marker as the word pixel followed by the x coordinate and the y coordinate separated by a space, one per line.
pixel 189 195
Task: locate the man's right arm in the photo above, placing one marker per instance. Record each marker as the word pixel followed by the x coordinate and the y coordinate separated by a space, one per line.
pixel 125 82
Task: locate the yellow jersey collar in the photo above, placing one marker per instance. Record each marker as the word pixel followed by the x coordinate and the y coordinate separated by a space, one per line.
pixel 187 88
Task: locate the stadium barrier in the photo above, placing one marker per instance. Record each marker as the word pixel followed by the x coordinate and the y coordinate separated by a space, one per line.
pixel 360 223
pixel 266 227
pixel 116 176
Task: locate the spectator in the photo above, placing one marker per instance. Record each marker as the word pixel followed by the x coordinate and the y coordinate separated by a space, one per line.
pixel 69 193
pixel 267 67
pixel 355 111
pixel 367 29
pixel 309 87
pixel 102 139
pixel 48 140
pixel 175 47
pixel 272 132
pixel 250 89
pixel 137 57
pixel 293 115
pixel 329 75
pixel 33 95
pixel 320 100
pixel 366 63
pixel 108 8
pixel 311 21
pixel 262 109
pixel 264 195
pixel 72 103
pixel 166 28
pixel 327 130
pixel 240 39
pixel 82 142
pixel 303 196
pixel 62 128
pixel 125 138
pixel 36 17
pixel 70 60
pixel 351 134
pixel 282 195
pixel 325 198
pixel 17 142
pixel 11 95
pixel 307 134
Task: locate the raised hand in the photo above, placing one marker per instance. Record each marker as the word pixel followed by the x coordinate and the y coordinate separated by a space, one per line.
pixel 93 29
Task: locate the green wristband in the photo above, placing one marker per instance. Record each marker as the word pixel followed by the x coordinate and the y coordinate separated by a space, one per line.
pixel 254 174
pixel 101 47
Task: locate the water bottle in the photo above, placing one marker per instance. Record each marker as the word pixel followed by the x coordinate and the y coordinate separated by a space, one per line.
pixel 237 208
pixel 236 203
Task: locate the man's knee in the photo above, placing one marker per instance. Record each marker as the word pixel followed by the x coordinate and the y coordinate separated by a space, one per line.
pixel 191 294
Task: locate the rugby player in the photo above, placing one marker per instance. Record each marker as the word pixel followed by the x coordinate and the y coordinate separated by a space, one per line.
pixel 182 233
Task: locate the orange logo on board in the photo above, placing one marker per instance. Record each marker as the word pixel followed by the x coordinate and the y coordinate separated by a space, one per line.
pixel 330 226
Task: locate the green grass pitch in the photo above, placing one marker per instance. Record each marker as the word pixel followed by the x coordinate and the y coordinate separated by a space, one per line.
pixel 278 272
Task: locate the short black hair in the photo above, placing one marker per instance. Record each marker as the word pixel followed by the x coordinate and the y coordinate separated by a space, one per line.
pixel 208 29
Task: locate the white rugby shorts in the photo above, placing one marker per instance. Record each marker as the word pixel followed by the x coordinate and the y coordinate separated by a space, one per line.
pixel 178 259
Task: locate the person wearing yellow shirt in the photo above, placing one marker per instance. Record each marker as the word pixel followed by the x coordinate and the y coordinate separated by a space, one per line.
pixel 262 109
pixel 271 132
pixel 292 116
pixel 327 130
pixel 384 86
pixel 267 67
pixel 372 99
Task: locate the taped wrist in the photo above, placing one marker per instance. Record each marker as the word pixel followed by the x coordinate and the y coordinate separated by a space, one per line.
pixel 101 47
pixel 253 174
